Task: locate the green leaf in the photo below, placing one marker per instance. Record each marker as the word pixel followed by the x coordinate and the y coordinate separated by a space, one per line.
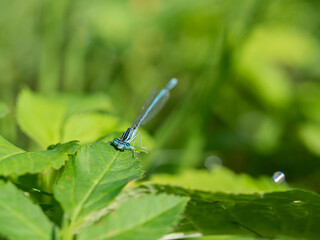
pixel 7 149
pixel 93 178
pixel 145 218
pixel 310 136
pixel 40 118
pixel 236 237
pixel 83 103
pixel 221 179
pixel 19 217
pixel 263 47
pixel 89 127
pixel 294 213
pixel 308 100
pixel 14 160
pixel 4 109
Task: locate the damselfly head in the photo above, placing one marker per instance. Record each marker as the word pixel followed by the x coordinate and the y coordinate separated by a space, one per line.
pixel 116 142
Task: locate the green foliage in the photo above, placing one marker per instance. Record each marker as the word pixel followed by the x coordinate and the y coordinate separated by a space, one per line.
pixel 219 180
pixel 76 104
pixel 87 180
pixel 93 175
pixel 248 93
pixel 249 74
pixel 237 237
pixel 76 127
pixel 47 120
pixel 63 118
pixel 40 118
pixel 261 214
pixel 93 178
pixel 4 109
pixel 20 218
pixel 310 134
pixel 146 218
pixel 18 162
pixel 256 60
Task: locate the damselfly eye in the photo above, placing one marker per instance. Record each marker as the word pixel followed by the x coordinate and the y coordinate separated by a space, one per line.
pixel 116 141
pixel 127 145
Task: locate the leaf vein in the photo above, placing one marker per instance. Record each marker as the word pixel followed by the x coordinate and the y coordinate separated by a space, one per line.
pixel 87 195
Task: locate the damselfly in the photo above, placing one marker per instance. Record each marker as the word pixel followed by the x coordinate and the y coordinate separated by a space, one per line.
pixel 150 108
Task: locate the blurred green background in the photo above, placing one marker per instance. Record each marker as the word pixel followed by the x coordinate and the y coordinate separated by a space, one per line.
pixel 248 94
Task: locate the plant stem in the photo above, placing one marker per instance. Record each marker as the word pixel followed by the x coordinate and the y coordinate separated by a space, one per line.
pixel 47 180
pixel 67 233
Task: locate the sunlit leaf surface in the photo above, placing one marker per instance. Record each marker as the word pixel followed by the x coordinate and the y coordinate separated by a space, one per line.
pixel 43 118
pixel 76 103
pixel 293 213
pixel 88 127
pixel 18 162
pixel 20 219
pixel 221 179
pixel 40 118
pixel 93 178
pixel 145 218
pixel 238 237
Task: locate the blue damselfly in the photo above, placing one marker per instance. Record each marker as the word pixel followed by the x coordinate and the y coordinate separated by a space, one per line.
pixel 150 108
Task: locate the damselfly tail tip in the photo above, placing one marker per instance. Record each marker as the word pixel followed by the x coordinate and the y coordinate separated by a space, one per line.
pixel 172 83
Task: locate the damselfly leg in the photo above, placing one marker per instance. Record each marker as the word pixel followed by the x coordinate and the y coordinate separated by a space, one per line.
pixel 134 140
